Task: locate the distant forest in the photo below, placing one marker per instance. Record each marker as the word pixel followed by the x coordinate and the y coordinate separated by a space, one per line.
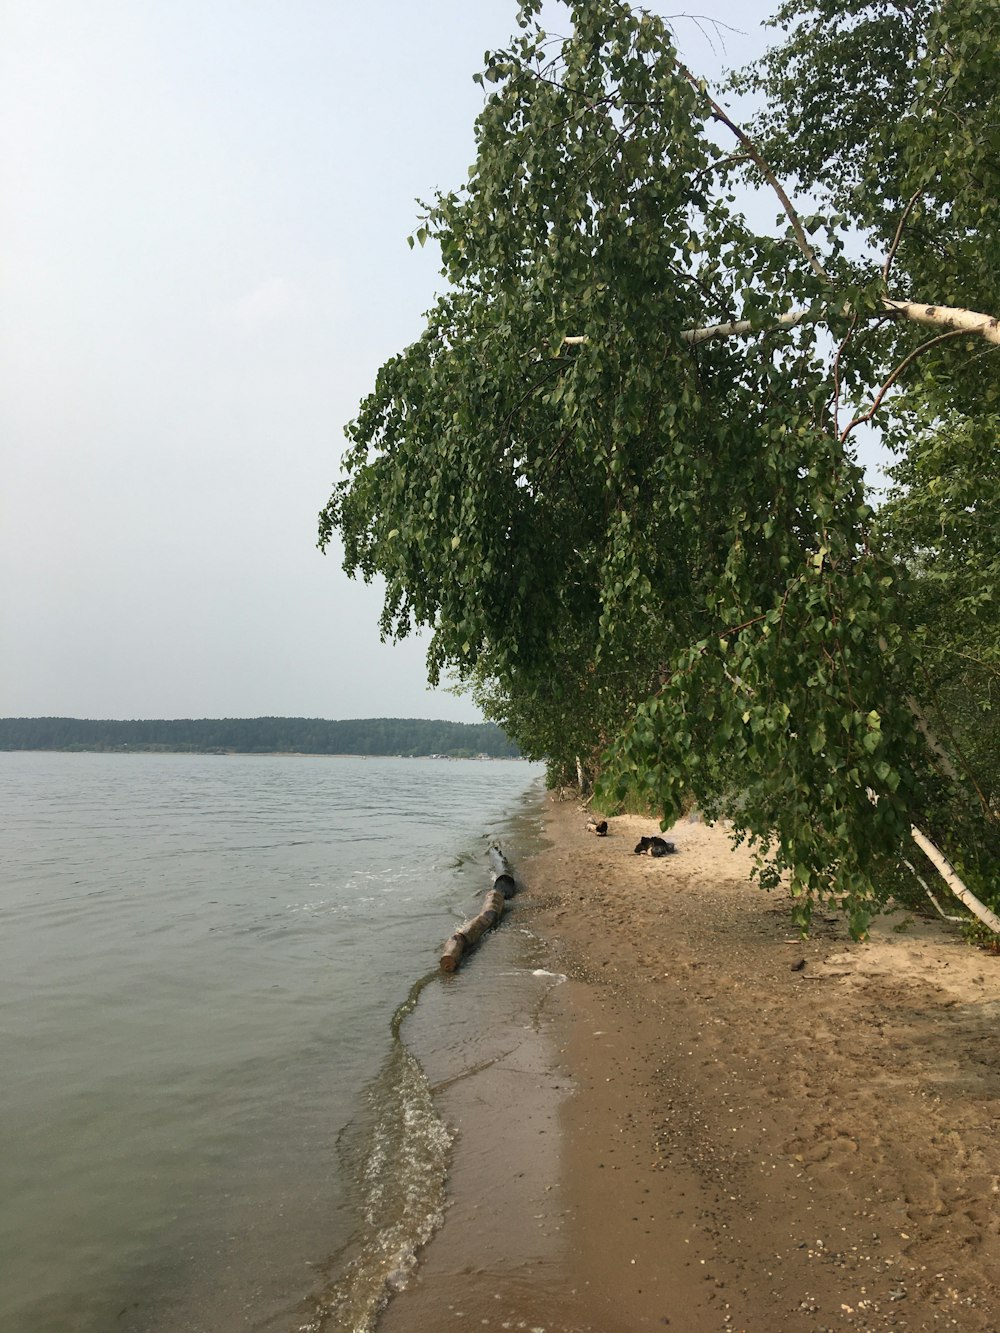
pixel 260 735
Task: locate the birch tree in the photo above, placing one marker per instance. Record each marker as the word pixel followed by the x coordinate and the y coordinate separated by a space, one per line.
pixel 614 477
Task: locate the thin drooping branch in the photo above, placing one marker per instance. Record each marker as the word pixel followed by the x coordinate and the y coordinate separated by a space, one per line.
pixel 834 402
pixel 904 216
pixel 754 153
pixel 894 376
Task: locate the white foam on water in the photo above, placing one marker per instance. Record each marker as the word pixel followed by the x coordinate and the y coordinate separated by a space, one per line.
pixel 402 1180
pixel 557 977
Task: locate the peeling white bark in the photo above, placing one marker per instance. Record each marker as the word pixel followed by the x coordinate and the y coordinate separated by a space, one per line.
pixel 950 876
pixel 936 316
pixel 948 317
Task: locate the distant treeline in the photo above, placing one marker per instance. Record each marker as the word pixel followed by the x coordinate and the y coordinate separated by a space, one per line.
pixel 260 735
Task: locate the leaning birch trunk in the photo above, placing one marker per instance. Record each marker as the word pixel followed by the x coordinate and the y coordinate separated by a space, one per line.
pixel 950 876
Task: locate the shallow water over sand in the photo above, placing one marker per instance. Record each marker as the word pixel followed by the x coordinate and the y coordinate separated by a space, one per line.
pixel 201 958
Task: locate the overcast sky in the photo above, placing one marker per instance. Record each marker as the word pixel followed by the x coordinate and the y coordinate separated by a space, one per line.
pixel 203 262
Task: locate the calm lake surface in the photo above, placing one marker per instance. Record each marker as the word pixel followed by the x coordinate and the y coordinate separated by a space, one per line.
pixel 211 1116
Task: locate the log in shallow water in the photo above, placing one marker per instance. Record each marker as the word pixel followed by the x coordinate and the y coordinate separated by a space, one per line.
pixel 469 932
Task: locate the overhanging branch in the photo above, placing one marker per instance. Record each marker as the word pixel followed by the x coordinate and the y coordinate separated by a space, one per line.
pixel 935 316
pixel 949 317
pixel 864 417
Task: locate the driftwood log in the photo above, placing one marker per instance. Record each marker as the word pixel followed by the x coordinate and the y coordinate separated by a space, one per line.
pixel 469 932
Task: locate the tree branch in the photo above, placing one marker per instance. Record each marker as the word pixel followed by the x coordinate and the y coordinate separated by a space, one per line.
pixel 934 316
pixel 734 328
pixel 958 920
pixel 894 376
pixel 754 153
pixel 924 727
pixel 741 328
pixel 898 237
pixel 951 317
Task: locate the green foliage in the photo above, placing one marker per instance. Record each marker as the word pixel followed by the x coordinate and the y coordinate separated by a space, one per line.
pixel 878 107
pixel 650 553
pixel 942 518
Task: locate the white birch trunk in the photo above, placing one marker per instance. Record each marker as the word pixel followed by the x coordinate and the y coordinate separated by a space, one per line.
pixel 950 876
pixel 935 316
pixel 948 317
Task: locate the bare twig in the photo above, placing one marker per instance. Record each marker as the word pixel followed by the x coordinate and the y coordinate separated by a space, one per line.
pixel 899 233
pixel 702 22
pixel 835 399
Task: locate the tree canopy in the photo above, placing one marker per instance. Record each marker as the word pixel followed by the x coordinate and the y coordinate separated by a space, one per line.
pixel 615 476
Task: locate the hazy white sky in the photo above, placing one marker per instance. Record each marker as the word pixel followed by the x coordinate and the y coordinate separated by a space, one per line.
pixel 203 262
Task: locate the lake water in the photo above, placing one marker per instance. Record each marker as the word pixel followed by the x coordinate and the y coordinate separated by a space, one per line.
pixel 211 1117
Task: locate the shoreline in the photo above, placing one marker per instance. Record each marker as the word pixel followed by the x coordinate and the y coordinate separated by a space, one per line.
pixel 694 1132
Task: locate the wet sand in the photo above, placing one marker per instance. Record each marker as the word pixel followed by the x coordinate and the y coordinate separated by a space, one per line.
pixel 715 1126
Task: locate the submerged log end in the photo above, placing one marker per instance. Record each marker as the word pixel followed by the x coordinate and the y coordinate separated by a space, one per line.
pixel 498 862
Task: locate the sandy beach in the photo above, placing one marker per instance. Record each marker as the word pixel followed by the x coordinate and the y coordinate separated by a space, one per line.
pixel 711 1125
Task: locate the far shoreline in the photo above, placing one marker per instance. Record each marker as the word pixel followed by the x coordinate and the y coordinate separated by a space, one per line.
pixel 272 754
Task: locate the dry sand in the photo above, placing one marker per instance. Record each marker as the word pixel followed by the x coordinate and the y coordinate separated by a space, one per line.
pixel 696 1135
